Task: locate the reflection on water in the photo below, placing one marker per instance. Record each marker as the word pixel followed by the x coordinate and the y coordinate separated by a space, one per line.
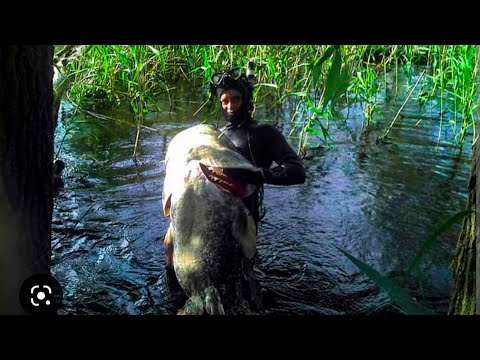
pixel 377 201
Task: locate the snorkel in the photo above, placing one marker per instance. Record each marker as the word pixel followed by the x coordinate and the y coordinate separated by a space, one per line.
pixel 236 80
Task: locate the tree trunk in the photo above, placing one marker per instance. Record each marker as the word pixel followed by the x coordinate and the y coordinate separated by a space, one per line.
pixel 462 300
pixel 26 162
pixel 477 170
pixel 463 296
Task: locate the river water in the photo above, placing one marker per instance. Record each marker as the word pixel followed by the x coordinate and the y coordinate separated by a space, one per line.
pixel 377 201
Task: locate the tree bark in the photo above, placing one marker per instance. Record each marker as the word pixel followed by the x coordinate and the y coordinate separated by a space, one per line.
pixel 26 165
pixel 477 183
pixel 465 268
pixel 462 301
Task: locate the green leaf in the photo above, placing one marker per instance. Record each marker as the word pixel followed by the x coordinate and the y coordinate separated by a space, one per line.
pixel 313 131
pixel 399 296
pixel 301 94
pixel 435 236
pixel 325 132
pixel 333 77
pixel 317 64
pixel 315 110
pixel 154 51
pixel 342 85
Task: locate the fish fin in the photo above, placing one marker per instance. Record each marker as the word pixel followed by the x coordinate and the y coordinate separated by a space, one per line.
pixel 167 204
pixel 245 231
pixel 193 306
pixel 212 301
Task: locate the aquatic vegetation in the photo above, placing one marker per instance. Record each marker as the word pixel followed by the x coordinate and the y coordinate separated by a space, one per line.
pixel 318 79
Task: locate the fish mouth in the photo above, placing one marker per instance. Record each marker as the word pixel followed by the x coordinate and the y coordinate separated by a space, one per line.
pixel 222 181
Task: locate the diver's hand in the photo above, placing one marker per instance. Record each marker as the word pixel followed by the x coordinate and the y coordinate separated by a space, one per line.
pixel 248 176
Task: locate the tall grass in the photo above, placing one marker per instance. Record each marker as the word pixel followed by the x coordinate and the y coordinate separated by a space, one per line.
pixel 315 78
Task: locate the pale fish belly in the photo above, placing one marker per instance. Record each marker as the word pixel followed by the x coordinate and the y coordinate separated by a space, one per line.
pixel 211 228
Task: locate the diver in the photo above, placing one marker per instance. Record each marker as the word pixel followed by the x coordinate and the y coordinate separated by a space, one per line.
pixel 263 144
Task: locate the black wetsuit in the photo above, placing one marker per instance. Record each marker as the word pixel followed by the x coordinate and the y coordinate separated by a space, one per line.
pixel 264 144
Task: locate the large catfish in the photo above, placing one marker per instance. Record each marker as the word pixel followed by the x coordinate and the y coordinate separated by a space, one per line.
pixel 210 227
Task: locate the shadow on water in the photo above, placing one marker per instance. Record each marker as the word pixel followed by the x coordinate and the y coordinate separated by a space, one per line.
pixel 376 201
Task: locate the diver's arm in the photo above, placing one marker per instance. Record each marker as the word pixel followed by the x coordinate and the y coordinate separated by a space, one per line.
pixel 290 168
pixel 271 143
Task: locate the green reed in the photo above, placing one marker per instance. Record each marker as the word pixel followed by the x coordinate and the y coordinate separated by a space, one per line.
pixel 115 75
pixel 453 71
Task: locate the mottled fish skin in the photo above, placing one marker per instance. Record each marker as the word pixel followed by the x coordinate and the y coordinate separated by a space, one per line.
pixel 211 228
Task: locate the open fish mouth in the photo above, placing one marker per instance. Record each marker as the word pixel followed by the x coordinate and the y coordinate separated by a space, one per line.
pixel 224 182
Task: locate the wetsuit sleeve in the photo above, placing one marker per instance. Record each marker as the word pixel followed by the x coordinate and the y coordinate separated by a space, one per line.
pixel 290 168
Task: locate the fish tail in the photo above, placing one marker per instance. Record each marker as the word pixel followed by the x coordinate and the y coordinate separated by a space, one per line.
pixel 212 301
pixel 209 302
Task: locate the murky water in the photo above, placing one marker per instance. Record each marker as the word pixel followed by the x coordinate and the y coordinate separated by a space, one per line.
pixel 376 201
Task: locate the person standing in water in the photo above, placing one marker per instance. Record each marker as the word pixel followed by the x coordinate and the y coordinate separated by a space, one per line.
pixel 261 143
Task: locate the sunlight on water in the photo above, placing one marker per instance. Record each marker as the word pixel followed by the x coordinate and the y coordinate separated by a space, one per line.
pixel 376 201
